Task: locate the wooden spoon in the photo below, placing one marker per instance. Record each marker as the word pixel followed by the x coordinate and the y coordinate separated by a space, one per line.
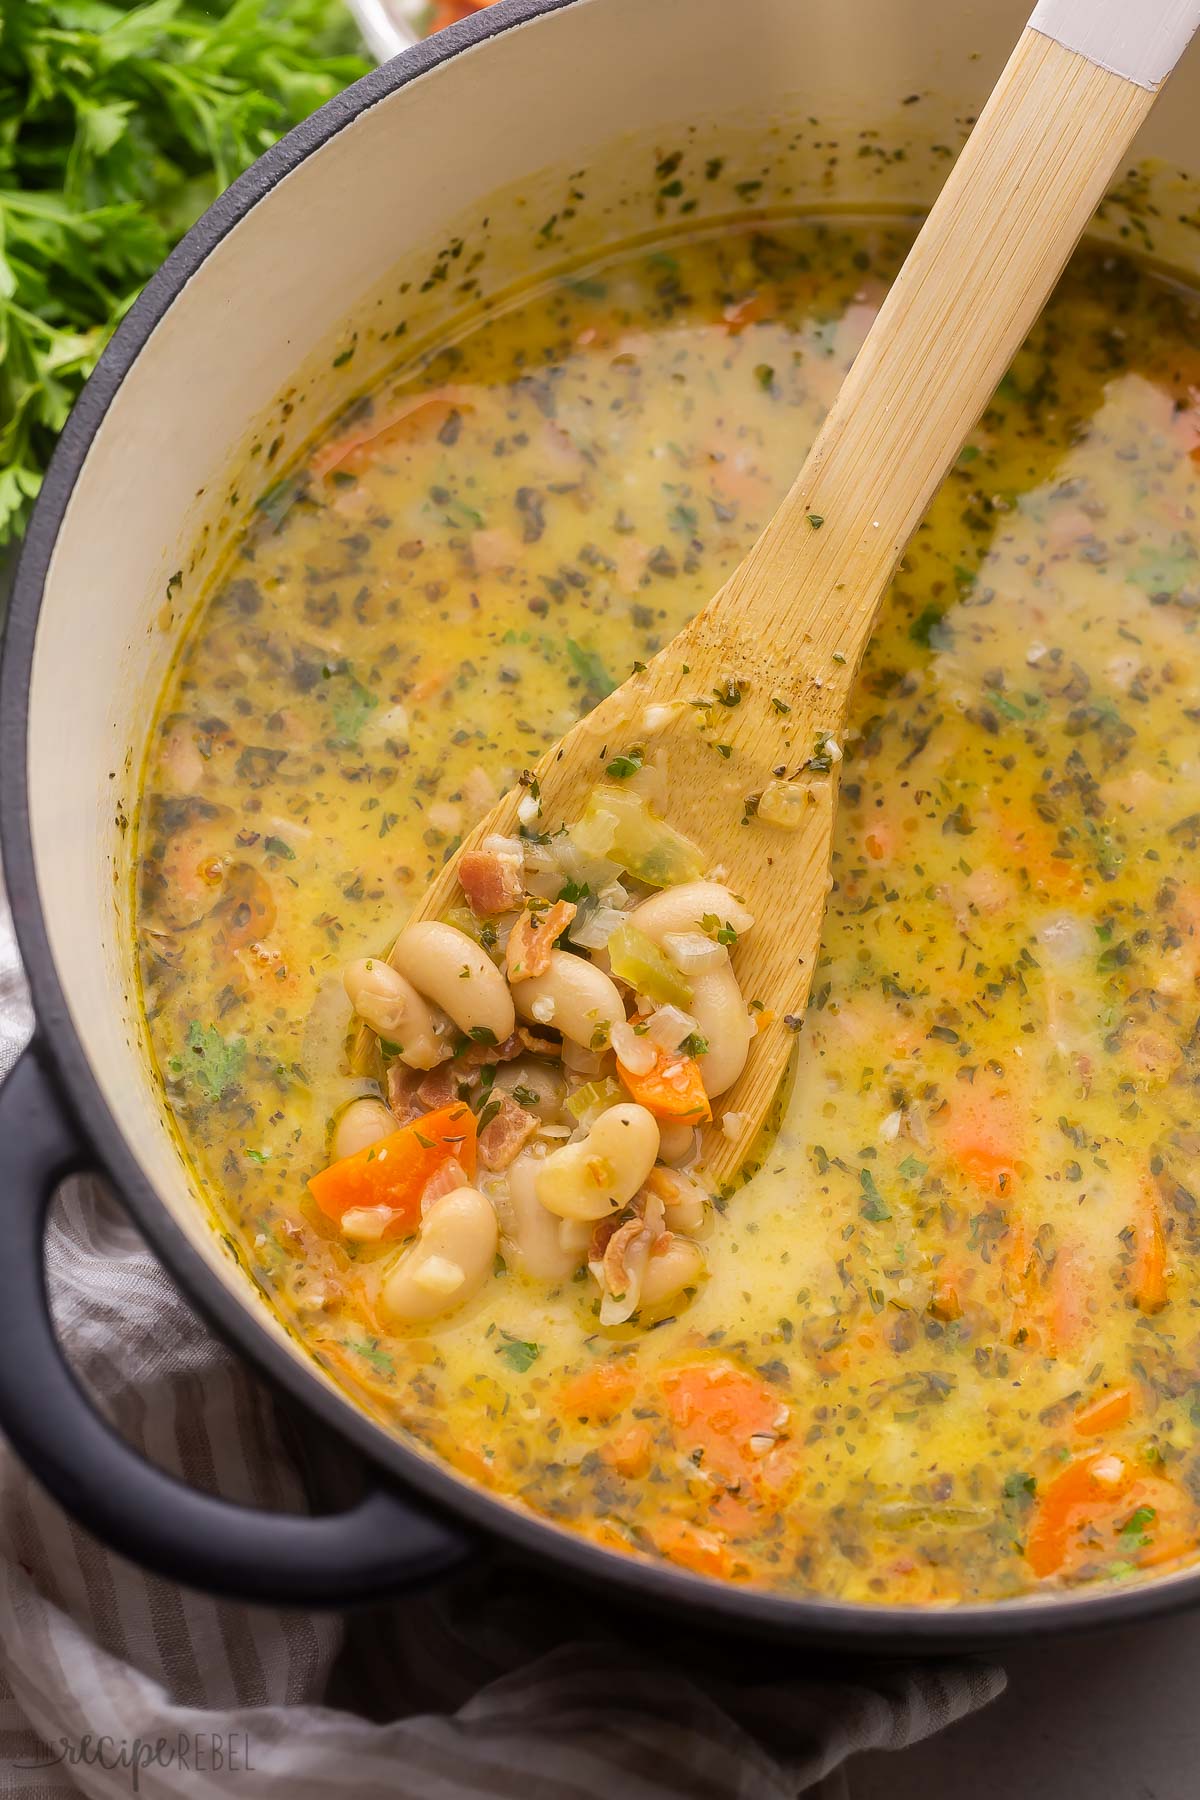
pixel 750 699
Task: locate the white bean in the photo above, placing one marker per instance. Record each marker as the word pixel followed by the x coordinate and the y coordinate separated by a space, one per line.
pixel 448 1264
pixel 457 974
pixel 392 1007
pixel 684 1200
pixel 682 908
pixel 531 1236
pixel 575 997
pixel 677 1267
pixel 721 1018
pixel 678 1142
pixel 543 1086
pixel 604 1170
pixel 359 1125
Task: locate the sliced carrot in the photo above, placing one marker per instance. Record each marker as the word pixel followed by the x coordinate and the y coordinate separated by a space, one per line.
pixel 704 1552
pixel 1099 1509
pixel 599 1394
pixel 981 1134
pixel 1068 1314
pixel 393 1173
pixel 739 313
pixel 1030 851
pixel 418 416
pixel 1150 1253
pixel 1106 1412
pixel 719 1409
pixel 630 1452
pixel 1086 1494
pixel 672 1089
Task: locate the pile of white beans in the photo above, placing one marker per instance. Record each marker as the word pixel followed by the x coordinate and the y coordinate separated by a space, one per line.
pixel 606 1186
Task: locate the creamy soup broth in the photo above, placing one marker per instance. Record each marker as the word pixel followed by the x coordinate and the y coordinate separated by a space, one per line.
pixel 946 1343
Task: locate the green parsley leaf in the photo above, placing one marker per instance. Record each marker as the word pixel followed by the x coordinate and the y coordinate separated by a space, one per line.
pixel 518 1353
pixel 277 846
pixel 712 927
pixel 591 671
pixel 216 1066
pixel 119 124
pixel 622 767
pixel 872 1205
pixel 352 705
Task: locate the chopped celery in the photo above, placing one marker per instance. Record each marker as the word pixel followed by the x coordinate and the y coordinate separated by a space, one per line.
pixel 637 959
pixel 587 1102
pixel 618 823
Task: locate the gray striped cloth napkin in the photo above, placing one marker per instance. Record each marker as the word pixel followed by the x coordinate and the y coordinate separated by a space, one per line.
pixel 495 1684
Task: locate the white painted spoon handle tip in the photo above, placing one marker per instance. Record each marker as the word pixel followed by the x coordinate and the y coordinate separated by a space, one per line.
pixel 1140 40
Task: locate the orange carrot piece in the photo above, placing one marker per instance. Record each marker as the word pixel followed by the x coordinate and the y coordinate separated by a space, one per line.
pixel 1084 1494
pixel 1106 1412
pixel 418 416
pixel 1099 1508
pixel 739 313
pixel 1150 1254
pixel 629 1453
pixel 599 1394
pixel 672 1089
pixel 393 1173
pixel 981 1132
pixel 718 1409
pixel 704 1552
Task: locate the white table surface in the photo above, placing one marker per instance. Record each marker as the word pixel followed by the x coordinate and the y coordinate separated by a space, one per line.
pixel 1111 1717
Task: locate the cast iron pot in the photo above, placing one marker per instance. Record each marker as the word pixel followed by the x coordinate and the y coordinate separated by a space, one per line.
pixel 533 131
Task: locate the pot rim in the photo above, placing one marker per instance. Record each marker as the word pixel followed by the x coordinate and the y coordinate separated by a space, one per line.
pixel 808 1620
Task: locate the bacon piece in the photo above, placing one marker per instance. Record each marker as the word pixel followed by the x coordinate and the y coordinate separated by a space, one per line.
pixel 533 937
pixel 504 1136
pixel 538 1046
pixel 492 880
pixel 478 1054
pixel 441 1086
pixel 402 1084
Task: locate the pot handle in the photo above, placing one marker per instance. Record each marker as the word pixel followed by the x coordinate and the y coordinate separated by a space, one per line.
pixel 381 1544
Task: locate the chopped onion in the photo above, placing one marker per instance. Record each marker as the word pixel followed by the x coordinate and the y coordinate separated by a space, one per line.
pixel 366 1224
pixel 889 1131
pixel 634 1052
pixel 596 928
pixel 669 1026
pixel 693 952
pixel 1066 939
pixel 650 781
pixel 438 1275
pixel 503 846
pixel 733 1124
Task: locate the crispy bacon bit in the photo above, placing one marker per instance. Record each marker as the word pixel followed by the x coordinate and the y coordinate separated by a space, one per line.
pixel 505 1136
pixel 492 880
pixel 479 1054
pixel 451 1175
pixel 402 1085
pixel 534 936
pixel 442 1085
pixel 538 1046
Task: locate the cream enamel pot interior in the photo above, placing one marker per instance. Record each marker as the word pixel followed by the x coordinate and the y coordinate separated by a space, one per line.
pixel 502 147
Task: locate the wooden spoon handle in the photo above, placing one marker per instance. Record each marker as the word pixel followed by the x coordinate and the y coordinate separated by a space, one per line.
pixel 1016 202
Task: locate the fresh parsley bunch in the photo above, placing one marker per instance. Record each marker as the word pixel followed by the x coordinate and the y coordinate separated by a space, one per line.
pixel 119 123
